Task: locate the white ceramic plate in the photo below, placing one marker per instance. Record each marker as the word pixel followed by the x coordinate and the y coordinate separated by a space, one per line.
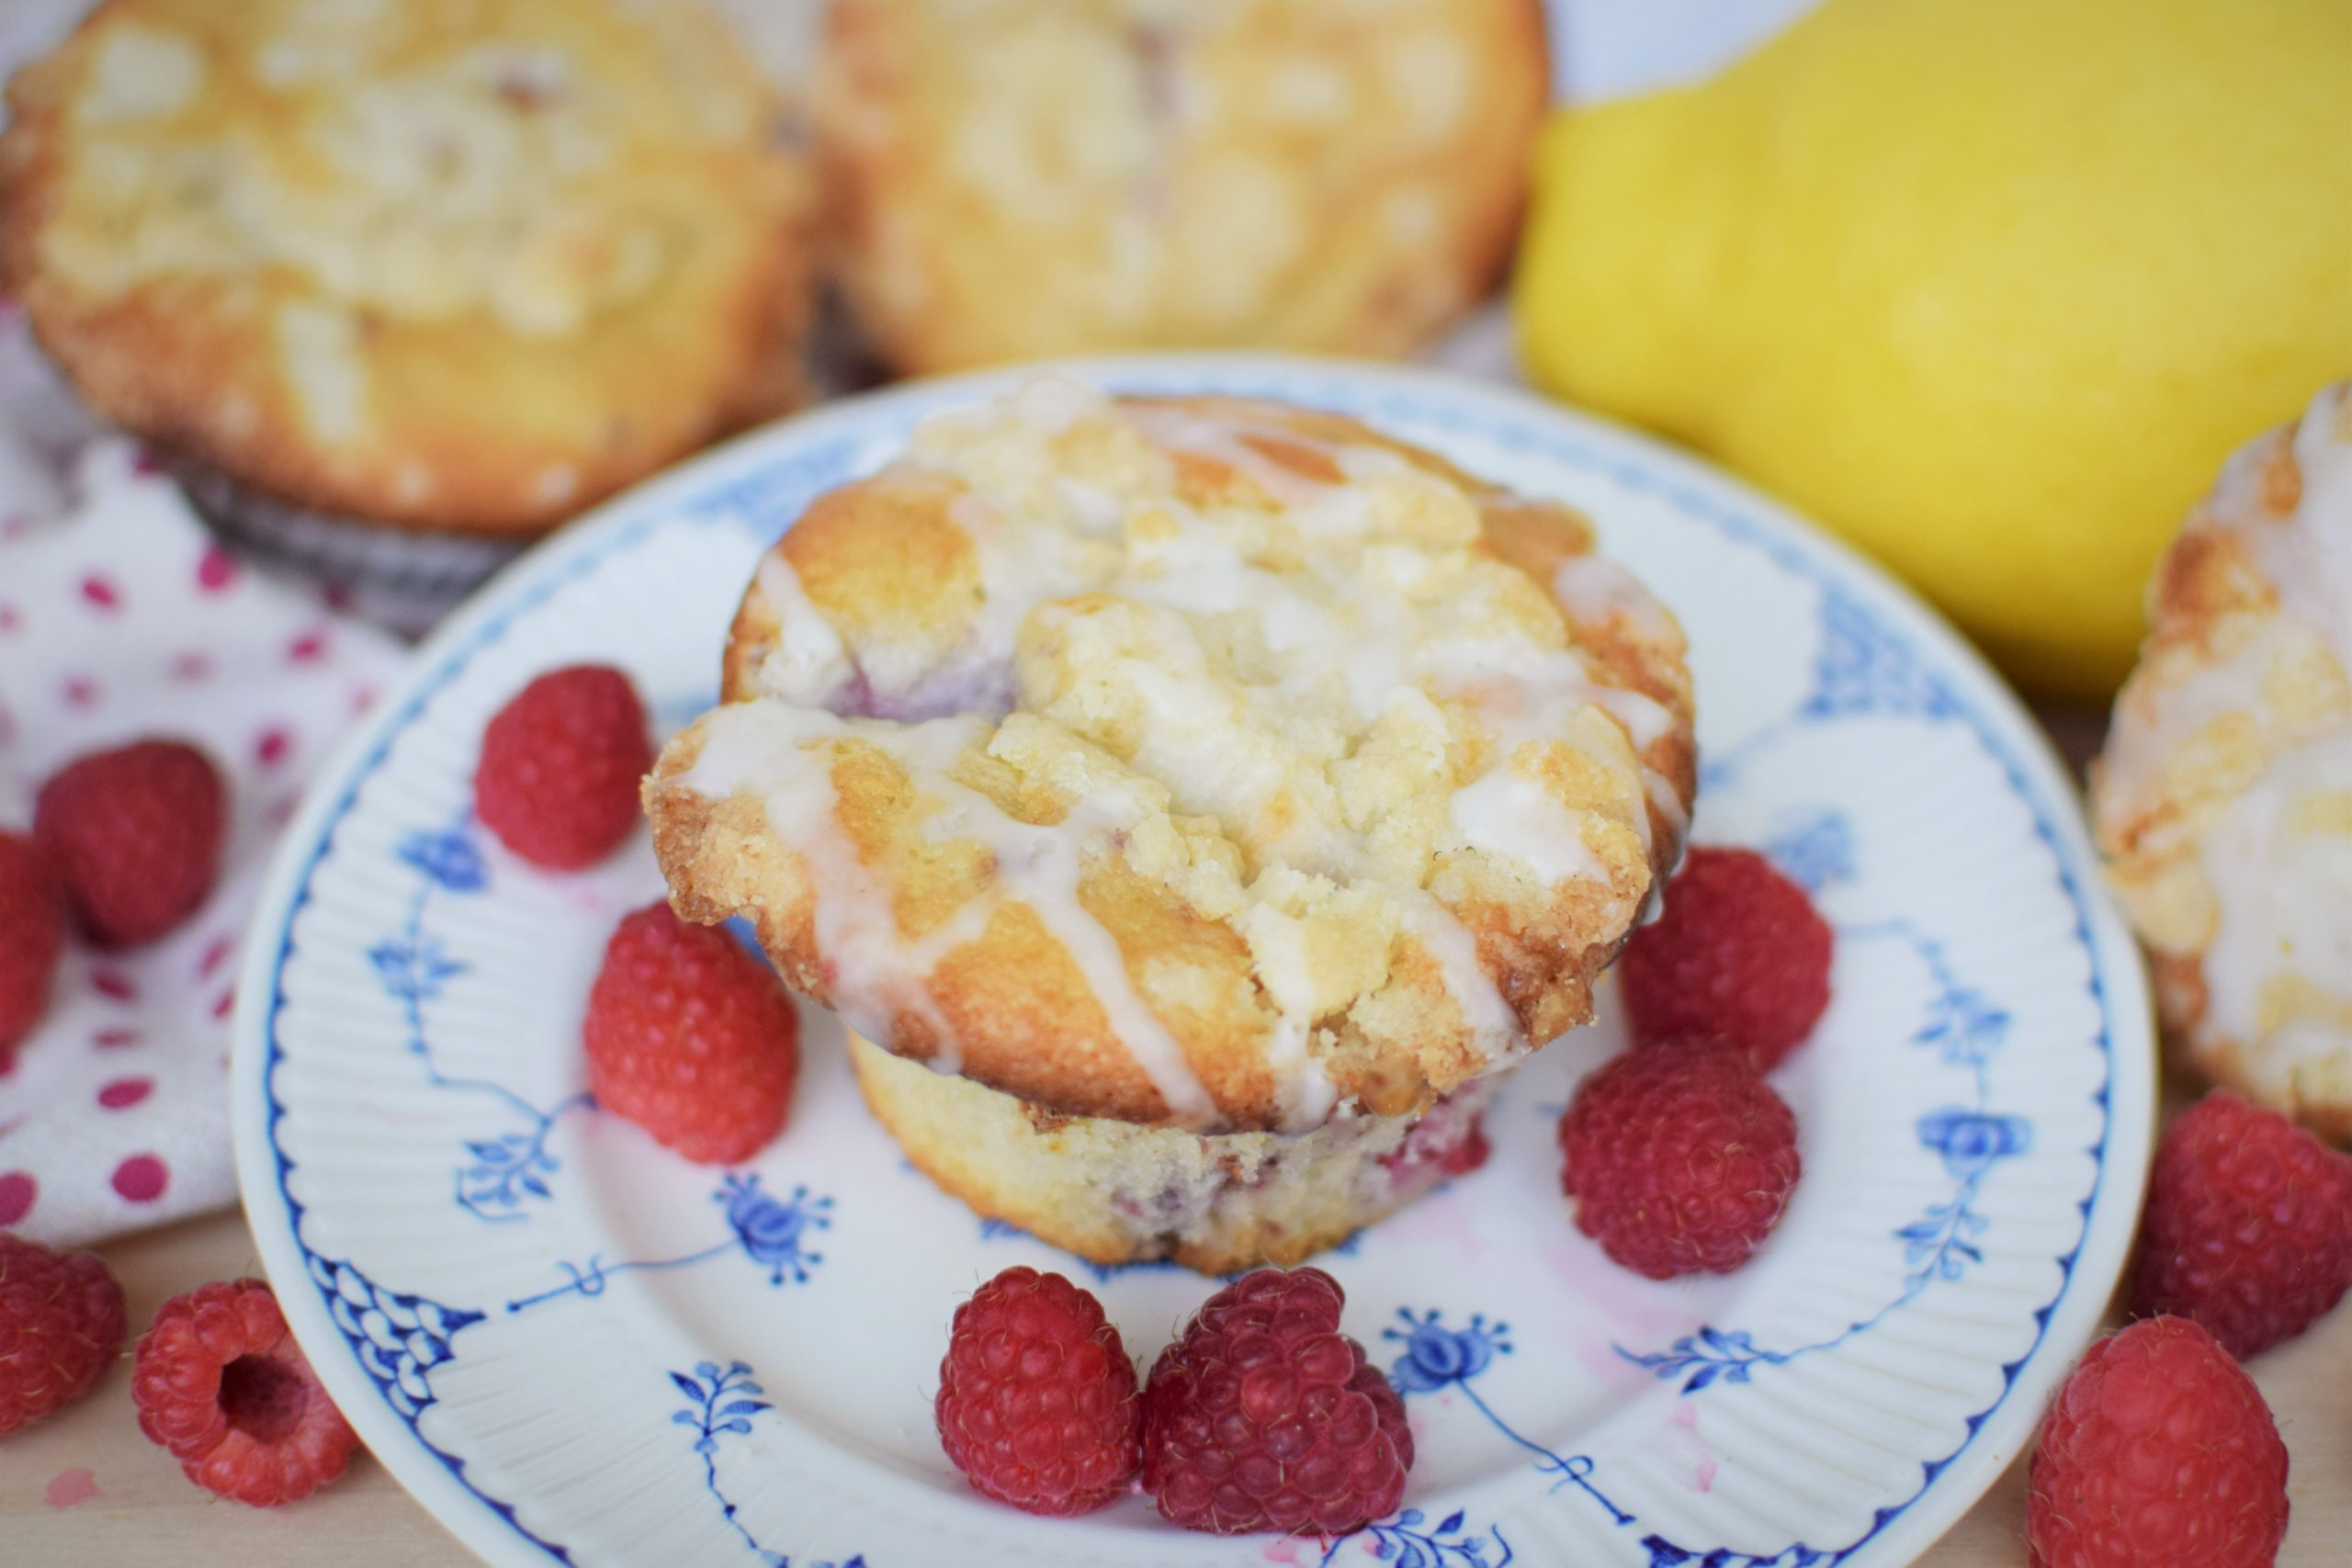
pixel 570 1345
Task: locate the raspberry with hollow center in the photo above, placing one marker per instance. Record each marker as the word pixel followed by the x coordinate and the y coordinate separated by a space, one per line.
pixel 133 837
pixel 2157 1452
pixel 1738 952
pixel 1037 1401
pixel 32 936
pixel 560 766
pixel 60 1326
pixel 1679 1157
pixel 1263 1416
pixel 222 1387
pixel 2248 1228
pixel 691 1038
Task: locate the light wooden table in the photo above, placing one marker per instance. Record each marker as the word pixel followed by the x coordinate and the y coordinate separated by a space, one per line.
pixel 144 1515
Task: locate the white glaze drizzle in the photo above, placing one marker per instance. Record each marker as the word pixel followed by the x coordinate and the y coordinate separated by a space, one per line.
pixel 808 662
pixel 875 972
pixel 1594 591
pixel 2282 891
pixel 1495 1029
pixel 1509 814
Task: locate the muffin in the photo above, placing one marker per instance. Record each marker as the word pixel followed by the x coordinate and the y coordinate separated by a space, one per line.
pixel 1205 765
pixel 435 264
pixel 2224 800
pixel 1008 179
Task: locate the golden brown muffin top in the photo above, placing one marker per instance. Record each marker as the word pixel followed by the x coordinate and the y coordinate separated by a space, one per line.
pixel 1015 179
pixel 466 265
pixel 1197 760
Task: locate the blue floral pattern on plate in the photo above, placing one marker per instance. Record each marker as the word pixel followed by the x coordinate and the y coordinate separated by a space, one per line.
pixel 419 1344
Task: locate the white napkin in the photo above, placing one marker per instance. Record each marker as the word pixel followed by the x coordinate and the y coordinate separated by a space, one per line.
pixel 120 619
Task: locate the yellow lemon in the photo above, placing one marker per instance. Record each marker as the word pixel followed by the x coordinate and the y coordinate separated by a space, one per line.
pixel 1991 288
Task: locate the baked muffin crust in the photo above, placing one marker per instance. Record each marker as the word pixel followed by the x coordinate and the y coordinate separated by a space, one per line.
pixel 456 265
pixel 1012 179
pixel 1197 761
pixel 2224 799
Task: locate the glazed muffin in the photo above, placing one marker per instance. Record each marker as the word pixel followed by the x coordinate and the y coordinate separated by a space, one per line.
pixel 432 263
pixel 1198 763
pixel 1011 179
pixel 2224 801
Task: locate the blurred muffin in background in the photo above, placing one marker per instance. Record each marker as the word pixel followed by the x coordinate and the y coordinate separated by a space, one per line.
pixel 2224 802
pixel 437 263
pixel 1008 179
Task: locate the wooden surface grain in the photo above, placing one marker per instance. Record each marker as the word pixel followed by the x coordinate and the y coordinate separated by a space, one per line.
pixel 142 1514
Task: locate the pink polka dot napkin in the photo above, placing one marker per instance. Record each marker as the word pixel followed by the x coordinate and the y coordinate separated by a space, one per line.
pixel 120 619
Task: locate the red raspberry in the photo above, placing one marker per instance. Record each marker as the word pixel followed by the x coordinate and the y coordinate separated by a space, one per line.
pixel 560 766
pixel 1679 1157
pixel 134 838
pixel 61 1328
pixel 2248 1228
pixel 222 1386
pixel 1738 952
pixel 32 934
pixel 2159 1452
pixel 1036 1399
pixel 691 1038
pixel 1264 1416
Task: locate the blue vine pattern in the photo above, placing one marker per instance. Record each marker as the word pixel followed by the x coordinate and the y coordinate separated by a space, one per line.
pixel 1966 1029
pixel 1404 1542
pixel 506 1172
pixel 721 1402
pixel 1439 1357
pixel 772 1232
pixel 1864 664
pixel 1436 1356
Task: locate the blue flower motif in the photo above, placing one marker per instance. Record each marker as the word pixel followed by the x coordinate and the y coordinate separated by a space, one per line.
pixel 774 1230
pixel 1971 1139
pixel 1815 850
pixel 413 969
pixel 1962 1024
pixel 1435 1355
pixel 450 858
pixel 707 1388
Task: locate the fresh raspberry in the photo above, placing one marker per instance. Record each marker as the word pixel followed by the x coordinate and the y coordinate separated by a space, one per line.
pixel 222 1386
pixel 134 837
pixel 1264 1416
pixel 1738 951
pixel 60 1325
pixel 2159 1452
pixel 2248 1228
pixel 1036 1399
pixel 691 1038
pixel 32 934
pixel 560 766
pixel 1679 1157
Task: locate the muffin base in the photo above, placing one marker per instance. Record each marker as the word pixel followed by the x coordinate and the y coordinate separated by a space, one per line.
pixel 403 579
pixel 1120 1192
